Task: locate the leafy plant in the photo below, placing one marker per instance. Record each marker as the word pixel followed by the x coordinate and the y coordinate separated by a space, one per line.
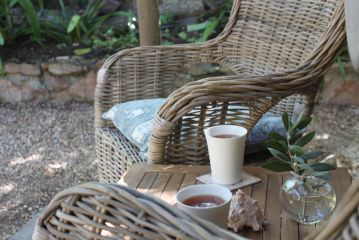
pixel 2 40
pixel 75 24
pixel 32 19
pixel 289 152
pixel 30 27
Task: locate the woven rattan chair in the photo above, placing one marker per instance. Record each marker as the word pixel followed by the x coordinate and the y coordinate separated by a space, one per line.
pixel 278 51
pixel 110 211
pixel 100 210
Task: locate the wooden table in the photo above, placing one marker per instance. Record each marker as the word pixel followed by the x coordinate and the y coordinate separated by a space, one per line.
pixel 164 181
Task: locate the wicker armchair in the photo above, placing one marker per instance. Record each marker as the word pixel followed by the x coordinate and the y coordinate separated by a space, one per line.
pixel 278 51
pixel 111 211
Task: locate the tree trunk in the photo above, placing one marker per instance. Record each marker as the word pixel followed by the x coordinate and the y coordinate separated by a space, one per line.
pixel 149 23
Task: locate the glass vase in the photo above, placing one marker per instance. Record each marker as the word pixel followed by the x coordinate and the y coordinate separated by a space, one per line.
pixel 307 199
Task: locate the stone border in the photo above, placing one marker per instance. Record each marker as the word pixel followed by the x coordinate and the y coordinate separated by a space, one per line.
pixel 60 80
pixel 67 79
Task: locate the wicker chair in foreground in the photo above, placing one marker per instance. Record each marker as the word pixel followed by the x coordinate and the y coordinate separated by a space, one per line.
pixel 276 50
pixel 110 211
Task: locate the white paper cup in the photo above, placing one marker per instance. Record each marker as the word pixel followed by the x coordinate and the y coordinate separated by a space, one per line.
pixel 226 154
pixel 217 214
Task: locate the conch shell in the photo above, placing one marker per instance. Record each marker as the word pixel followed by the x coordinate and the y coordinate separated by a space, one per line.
pixel 244 211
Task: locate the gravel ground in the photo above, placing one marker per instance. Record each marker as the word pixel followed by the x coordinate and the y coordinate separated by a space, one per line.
pixel 43 149
pixel 47 148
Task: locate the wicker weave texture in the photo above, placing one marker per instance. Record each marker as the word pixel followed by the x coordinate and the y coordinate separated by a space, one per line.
pixel 278 51
pixel 110 211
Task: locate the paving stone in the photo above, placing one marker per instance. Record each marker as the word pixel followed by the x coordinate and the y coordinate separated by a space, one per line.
pixel 22 68
pixel 56 83
pixel 62 68
pixel 84 89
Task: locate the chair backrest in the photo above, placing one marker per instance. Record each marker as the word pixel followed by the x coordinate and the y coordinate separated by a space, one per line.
pixel 300 38
pixel 271 36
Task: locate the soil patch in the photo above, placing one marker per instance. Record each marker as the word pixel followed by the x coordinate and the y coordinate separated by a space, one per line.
pixel 28 52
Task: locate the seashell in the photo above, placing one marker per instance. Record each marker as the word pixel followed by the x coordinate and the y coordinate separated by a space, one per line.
pixel 244 211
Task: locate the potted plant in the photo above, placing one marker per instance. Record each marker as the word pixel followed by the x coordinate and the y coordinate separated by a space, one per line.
pixel 306 196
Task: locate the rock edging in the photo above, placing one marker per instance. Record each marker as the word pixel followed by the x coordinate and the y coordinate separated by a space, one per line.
pixel 59 80
pixel 74 79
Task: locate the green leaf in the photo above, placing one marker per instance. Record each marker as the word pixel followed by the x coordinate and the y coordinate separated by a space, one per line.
pixel 321 167
pixel 297 150
pixel 12 3
pixel 63 9
pixel 197 26
pixel 277 166
pixel 32 19
pixel 182 35
pixel 310 155
pixel 276 136
pixel 322 175
pixel 279 155
pixel 296 123
pixel 305 139
pixel 210 29
pixel 2 40
pixel 286 121
pixel 305 166
pixel 73 23
pixel 299 160
pixel 305 121
pixel 82 51
pixel 278 145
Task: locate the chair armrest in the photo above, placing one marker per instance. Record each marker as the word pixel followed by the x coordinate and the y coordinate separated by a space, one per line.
pixel 97 210
pixel 242 100
pixel 234 88
pixel 146 72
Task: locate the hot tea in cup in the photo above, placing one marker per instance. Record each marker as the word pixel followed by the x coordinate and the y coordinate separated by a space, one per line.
pixel 207 201
pixel 226 150
pixel 204 201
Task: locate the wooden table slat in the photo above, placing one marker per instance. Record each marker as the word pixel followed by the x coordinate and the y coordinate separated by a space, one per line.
pixel 146 183
pixel 159 185
pixel 172 187
pixel 289 229
pixel 188 180
pixel 259 192
pixel 164 181
pixel 273 208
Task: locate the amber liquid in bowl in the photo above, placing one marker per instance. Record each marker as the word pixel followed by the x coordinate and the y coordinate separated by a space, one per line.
pixel 203 201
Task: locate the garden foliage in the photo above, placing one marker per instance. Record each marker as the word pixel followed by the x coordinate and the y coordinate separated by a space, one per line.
pixel 289 152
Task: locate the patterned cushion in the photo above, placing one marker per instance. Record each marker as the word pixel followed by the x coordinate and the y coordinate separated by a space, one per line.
pixel 134 120
pixel 256 138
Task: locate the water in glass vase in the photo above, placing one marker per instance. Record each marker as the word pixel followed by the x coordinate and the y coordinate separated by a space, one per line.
pixel 307 199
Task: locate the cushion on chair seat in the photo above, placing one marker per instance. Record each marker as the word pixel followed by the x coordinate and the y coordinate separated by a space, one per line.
pixel 134 120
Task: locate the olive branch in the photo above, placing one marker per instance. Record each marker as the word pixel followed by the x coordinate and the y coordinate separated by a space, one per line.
pixel 289 152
